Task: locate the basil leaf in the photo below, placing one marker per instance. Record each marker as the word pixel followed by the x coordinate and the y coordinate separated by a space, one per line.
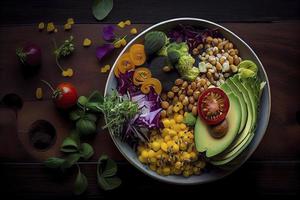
pixel 93 106
pixel 91 117
pixel 75 115
pixel 54 162
pixel 101 8
pixel 109 183
pixel 96 97
pixel 86 151
pixel 69 145
pixel 82 100
pixel 85 127
pixel 70 161
pixel 75 136
pixel 106 169
pixel 80 184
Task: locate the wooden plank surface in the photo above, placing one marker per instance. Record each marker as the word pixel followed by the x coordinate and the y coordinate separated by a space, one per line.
pixel 150 11
pixel 271 170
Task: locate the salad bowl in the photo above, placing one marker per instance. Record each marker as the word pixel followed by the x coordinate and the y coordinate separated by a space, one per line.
pixel 214 173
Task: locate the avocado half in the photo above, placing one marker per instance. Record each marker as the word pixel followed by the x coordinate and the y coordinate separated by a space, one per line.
pixel 205 142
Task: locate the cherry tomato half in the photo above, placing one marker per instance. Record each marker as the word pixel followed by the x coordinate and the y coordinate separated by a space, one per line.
pixel 213 106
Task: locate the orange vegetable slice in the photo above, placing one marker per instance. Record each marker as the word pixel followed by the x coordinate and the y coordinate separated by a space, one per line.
pixel 140 75
pixel 124 63
pixel 137 54
pixel 151 82
pixel 116 72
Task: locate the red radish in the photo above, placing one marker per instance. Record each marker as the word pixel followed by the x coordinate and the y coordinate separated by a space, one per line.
pixel 30 55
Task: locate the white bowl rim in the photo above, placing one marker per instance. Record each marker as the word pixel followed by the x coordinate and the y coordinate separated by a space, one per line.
pixel 163 178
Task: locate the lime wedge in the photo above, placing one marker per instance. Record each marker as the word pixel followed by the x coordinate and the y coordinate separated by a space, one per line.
pixel 248 64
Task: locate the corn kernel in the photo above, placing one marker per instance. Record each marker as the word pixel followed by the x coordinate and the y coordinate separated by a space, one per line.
pixel 167 138
pixel 123 42
pixel 166 123
pixel 121 24
pixel 50 27
pixel 127 22
pixel 164 146
pixel 166 171
pixel 155 146
pixel 70 21
pixel 86 42
pixel 41 26
pixel 182 126
pixel 67 27
pixel 178 118
pixel 133 31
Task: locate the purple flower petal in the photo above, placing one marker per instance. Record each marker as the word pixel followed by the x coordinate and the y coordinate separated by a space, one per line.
pixel 104 50
pixel 108 33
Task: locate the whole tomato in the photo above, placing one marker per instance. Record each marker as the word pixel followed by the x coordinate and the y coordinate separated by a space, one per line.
pixel 65 95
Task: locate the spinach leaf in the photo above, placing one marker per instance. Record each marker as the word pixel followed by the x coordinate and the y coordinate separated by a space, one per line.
pixel 101 8
pixel 86 151
pixel 54 162
pixel 91 117
pixel 75 115
pixel 109 183
pixel 80 184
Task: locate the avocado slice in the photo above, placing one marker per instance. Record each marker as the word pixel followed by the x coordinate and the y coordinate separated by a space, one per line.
pixel 213 146
pixel 229 86
pixel 246 136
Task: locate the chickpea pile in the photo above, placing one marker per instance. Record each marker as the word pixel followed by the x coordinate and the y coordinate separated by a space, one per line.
pixel 171 150
pixel 185 95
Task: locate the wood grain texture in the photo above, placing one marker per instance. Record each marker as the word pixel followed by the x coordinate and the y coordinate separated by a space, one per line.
pixel 149 11
pixel 272 169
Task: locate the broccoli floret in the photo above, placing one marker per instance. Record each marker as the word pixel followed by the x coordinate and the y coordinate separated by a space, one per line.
pixel 186 69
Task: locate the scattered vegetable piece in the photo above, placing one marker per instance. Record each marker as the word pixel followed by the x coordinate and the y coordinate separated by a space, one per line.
pixel 50 27
pixel 68 72
pixel 137 54
pixel 70 21
pixel 104 50
pixel 67 26
pixel 87 42
pixel 64 96
pixel 105 69
pixel 30 56
pixel 41 26
pixel 123 41
pixel 140 75
pixel 117 44
pixel 101 8
pixel 127 22
pixel 80 184
pixel 39 93
pixel 121 24
pixel 108 33
pixel 133 31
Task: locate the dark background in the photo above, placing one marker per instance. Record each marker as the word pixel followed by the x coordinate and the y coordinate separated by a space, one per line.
pixel 266 173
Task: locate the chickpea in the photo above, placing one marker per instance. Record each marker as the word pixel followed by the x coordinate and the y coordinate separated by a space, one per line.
pixel 196 95
pixel 194 110
pixel 195 51
pixel 233 68
pixel 185 101
pixel 170 110
pixel 222 60
pixel 207 46
pixel 165 104
pixel 167 68
pixel 236 60
pixel 178 82
pixel 209 39
pixel 193 85
pixel 190 92
pixel 170 94
pixel 209 75
pixel 164 96
pixel 175 100
pixel 175 89
pixel 181 97
pixel 200 46
pixel 231 52
pixel 184 84
pixel 191 99
pixel 163 114
pixel 230 59
pixel 236 51
pixel 218 66
pixel 198 85
pixel 202 81
pixel 179 92
pixel 190 107
pixel 230 45
pixel 215 41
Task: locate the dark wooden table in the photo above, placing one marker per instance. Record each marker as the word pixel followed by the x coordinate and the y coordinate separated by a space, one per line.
pixel 271 28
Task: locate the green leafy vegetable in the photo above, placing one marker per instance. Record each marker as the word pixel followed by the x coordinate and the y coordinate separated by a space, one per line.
pixel 117 111
pixel 54 162
pixel 81 183
pixel 85 126
pixel 70 161
pixel 82 100
pixel 155 41
pixel 101 8
pixel 69 145
pixel 86 151
pixel 106 171
pixel 75 115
